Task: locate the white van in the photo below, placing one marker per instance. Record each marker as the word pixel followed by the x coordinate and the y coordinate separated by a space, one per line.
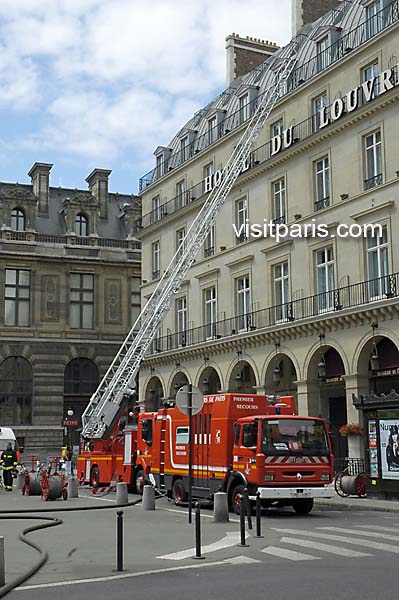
pixel 7 435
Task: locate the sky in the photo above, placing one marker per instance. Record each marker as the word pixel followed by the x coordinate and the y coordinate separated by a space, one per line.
pixel 90 84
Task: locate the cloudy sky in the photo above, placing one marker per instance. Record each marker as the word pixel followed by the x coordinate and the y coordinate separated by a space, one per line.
pixel 101 83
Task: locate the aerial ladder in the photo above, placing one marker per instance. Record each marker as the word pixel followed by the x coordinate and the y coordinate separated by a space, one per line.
pixel 118 384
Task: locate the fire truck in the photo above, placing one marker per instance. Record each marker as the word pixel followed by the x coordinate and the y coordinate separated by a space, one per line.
pixel 238 441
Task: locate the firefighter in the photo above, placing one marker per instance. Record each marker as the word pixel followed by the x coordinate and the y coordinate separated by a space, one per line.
pixel 8 462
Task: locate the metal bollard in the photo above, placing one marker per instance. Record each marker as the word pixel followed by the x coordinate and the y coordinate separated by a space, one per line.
pixel 248 508
pixel 242 524
pixel 258 516
pixel 220 508
pixel 198 531
pixel 119 540
pixel 19 484
pixel 148 498
pixel 2 563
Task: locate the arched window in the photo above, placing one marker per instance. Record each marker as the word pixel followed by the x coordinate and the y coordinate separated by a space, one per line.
pixel 81 377
pixel 16 391
pixel 17 220
pixel 81 225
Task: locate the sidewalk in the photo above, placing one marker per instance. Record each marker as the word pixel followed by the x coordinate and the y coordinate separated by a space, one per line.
pixel 355 503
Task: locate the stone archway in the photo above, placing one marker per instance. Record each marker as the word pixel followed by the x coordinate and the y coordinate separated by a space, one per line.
pixel 242 378
pixel 179 379
pixel 281 376
pixel 383 371
pixel 154 395
pixel 209 381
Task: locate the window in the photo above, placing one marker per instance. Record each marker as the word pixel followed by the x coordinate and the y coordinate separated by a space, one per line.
pixel 155 209
pixel 81 377
pixel 277 128
pixel 135 299
pixel 374 17
pixel 158 167
pixel 184 149
pixel 322 183
pixel 17 298
pixel 180 235
pixel 243 302
pixel 249 435
pixel 212 130
pixel 17 220
pixel 373 159
pixel 278 191
pixel 156 260
pixel 209 246
pixel 210 312
pixel 181 320
pixel 181 194
pixel 82 301
pixel 325 279
pixel 156 344
pixel 323 53
pixel 243 105
pixel 208 178
pixel 377 263
pixel 241 218
pixel 281 287
pixel 16 391
pixel 370 72
pixel 81 225
pixel 182 435
pixel 319 104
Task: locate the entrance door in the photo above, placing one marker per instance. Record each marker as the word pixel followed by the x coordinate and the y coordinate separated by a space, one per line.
pixel 338 417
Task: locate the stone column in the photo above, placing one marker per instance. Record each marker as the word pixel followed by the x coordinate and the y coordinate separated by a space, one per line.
pixel 260 389
pixel 359 385
pixel 308 398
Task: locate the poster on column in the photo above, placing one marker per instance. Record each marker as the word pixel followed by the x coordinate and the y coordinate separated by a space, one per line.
pixel 389 448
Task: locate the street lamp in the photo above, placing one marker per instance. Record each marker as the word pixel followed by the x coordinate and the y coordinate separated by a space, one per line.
pixel 276 370
pixel 322 367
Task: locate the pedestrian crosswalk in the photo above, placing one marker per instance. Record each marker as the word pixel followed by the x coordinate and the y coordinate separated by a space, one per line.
pixel 357 542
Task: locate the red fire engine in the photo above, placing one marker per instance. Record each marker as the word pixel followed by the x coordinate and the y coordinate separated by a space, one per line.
pixel 238 441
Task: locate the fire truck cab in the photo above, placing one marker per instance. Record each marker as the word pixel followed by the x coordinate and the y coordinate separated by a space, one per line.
pixel 241 441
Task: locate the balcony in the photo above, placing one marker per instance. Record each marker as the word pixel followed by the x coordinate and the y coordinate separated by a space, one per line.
pixel 319 305
pixel 323 203
pixel 68 240
pixel 372 182
pixel 355 38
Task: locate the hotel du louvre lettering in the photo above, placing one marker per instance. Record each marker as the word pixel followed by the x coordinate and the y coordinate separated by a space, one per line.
pixel 347 104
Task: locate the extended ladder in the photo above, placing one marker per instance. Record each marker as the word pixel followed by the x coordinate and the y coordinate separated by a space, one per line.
pixel 119 381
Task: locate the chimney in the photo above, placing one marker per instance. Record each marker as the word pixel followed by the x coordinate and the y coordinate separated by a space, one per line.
pixel 98 185
pixel 40 176
pixel 308 11
pixel 244 54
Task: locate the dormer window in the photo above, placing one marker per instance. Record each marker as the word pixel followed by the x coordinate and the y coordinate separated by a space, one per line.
pixel 81 225
pixel 243 104
pixel 323 54
pixel 184 149
pixel 374 17
pixel 212 130
pixel 17 220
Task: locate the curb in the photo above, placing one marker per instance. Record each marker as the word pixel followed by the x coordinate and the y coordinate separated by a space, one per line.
pixel 355 507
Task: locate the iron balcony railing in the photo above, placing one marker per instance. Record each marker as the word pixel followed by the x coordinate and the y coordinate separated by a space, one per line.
pixel 68 240
pixel 322 203
pixel 373 182
pixel 300 132
pixel 318 305
pixel 355 38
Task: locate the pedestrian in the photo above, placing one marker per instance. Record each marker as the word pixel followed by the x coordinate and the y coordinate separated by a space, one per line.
pixel 8 462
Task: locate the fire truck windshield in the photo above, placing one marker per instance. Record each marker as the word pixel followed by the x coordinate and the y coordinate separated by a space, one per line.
pixel 294 436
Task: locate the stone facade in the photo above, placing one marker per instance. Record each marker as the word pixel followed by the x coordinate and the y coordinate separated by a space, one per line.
pixel 302 316
pixel 244 54
pixel 70 277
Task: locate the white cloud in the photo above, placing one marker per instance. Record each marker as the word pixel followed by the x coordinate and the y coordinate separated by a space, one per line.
pixel 115 76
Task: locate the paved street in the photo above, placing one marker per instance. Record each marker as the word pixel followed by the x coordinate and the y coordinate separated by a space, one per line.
pixel 348 552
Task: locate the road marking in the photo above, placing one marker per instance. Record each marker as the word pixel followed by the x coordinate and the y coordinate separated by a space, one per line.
pixel 198 565
pixel 185 513
pixel 340 538
pixel 98 498
pixel 289 554
pixel 230 539
pixel 374 527
pixel 324 547
pixel 372 534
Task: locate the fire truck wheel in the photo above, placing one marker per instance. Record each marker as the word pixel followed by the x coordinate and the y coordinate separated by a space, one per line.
pixel 236 495
pixel 94 477
pixel 179 493
pixel 139 482
pixel 303 507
